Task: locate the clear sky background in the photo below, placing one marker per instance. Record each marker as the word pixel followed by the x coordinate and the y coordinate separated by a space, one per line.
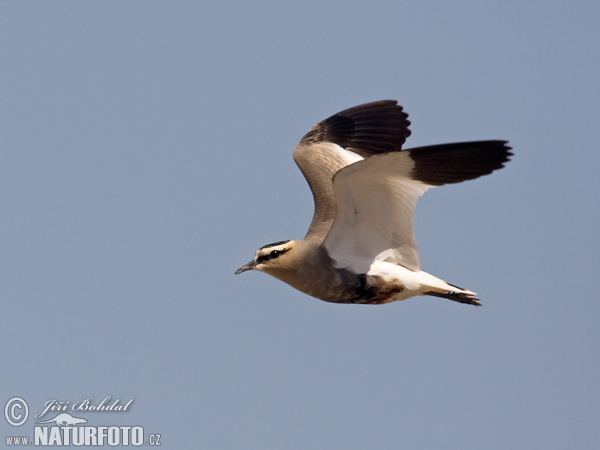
pixel 146 152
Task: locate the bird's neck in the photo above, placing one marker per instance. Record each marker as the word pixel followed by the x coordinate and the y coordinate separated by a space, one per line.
pixel 313 272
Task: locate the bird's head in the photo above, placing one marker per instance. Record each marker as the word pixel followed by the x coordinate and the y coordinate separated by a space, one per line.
pixel 270 258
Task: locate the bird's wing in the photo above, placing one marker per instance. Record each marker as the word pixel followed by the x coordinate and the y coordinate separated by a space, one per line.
pixel 376 199
pixel 341 140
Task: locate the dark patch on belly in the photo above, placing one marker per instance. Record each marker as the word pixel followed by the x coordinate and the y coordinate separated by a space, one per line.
pixel 374 290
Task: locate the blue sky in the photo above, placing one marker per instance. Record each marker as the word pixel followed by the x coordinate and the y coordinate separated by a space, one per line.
pixel 146 152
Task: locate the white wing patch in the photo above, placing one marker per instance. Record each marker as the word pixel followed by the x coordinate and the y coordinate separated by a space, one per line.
pixel 375 200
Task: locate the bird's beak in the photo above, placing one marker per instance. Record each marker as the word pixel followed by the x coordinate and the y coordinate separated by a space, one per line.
pixel 251 265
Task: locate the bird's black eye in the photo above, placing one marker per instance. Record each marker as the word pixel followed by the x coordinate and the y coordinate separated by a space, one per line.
pixel 275 253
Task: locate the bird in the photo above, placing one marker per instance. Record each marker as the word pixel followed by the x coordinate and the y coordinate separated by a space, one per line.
pixel 360 247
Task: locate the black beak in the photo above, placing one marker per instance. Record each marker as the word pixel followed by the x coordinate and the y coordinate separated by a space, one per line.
pixel 251 265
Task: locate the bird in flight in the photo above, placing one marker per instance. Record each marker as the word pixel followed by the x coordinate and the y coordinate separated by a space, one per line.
pixel 360 246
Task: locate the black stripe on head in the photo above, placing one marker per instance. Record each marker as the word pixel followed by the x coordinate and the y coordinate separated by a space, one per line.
pixel 274 244
pixel 452 163
pixel 378 127
pixel 268 255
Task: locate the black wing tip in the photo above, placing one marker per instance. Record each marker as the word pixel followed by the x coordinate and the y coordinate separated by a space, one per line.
pixel 367 129
pixel 371 106
pixel 453 163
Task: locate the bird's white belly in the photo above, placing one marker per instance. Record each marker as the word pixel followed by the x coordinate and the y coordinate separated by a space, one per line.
pixel 413 283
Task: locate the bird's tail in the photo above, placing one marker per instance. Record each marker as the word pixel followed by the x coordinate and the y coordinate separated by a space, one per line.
pixel 431 285
pixel 459 295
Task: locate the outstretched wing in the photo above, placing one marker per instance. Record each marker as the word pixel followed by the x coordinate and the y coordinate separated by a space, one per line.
pixel 341 140
pixel 376 199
